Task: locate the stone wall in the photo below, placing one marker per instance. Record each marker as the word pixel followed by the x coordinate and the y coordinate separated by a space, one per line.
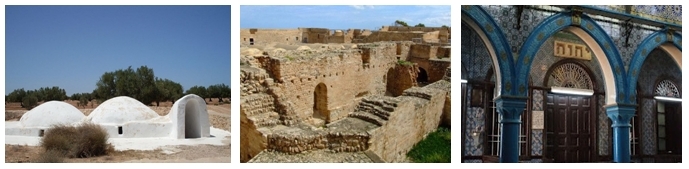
pixel 261 36
pixel 347 74
pixel 251 140
pixel 389 36
pixel 400 78
pixel 437 68
pixel 315 35
pixel 417 113
pixel 407 28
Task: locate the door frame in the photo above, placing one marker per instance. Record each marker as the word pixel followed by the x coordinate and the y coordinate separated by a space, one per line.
pixel 593 127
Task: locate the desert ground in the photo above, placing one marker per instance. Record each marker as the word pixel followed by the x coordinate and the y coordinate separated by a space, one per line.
pixel 219 117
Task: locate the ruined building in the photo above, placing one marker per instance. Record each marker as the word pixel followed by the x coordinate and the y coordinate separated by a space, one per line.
pixel 321 35
pixel 377 99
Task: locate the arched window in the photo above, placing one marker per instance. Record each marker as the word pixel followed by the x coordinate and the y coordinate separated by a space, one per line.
pixel 669 118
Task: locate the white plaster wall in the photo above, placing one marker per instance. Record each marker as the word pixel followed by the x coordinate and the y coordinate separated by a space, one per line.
pixel 140 129
pixel 120 110
pixel 193 105
pixel 51 113
pixel 15 128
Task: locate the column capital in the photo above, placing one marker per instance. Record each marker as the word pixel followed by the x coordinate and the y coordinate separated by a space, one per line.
pixel 510 107
pixel 620 114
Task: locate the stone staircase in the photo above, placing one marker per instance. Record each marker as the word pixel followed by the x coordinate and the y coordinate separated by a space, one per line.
pixel 375 109
pixel 260 109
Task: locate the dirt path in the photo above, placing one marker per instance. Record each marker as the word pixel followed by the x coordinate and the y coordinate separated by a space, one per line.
pixel 173 154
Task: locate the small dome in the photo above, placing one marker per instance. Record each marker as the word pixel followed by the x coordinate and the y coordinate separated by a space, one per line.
pixel 120 110
pixel 51 113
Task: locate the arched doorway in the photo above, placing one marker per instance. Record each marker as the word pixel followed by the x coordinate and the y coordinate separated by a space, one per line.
pixel 192 120
pixel 320 103
pixel 569 113
pixel 422 77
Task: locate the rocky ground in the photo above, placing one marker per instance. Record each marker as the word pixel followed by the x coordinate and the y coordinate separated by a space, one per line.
pixel 219 116
pixel 318 156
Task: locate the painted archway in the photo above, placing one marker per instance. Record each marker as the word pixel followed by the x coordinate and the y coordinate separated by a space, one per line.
pixel 588 31
pixel 189 117
pixel 496 43
pixel 667 41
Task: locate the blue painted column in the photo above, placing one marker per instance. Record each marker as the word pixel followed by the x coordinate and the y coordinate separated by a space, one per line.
pixel 620 115
pixel 510 109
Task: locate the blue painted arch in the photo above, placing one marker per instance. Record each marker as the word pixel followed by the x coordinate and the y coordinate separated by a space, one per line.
pixel 499 44
pixel 651 42
pixel 558 22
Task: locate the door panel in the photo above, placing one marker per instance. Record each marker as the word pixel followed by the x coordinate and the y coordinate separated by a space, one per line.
pixel 568 131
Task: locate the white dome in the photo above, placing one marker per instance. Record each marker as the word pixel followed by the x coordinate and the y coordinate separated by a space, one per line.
pixel 51 113
pixel 120 110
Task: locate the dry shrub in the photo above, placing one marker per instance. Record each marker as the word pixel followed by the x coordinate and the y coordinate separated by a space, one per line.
pixel 93 141
pixel 85 140
pixel 59 138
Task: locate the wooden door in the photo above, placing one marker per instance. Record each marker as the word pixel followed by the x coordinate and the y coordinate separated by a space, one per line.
pixel 568 128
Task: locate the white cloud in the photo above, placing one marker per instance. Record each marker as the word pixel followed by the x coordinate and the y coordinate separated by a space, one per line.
pixel 362 7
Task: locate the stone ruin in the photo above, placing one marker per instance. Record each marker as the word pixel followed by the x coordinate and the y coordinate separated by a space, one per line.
pixel 325 36
pixel 121 117
pixel 378 98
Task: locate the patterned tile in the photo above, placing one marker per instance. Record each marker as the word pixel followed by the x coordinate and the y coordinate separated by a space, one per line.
pixel 537 100
pixel 648 142
pixel 537 142
pixel 476 60
pixel 475 124
pixel 603 128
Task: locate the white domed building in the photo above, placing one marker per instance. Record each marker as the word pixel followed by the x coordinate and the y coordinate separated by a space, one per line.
pixel 122 117
pixel 44 116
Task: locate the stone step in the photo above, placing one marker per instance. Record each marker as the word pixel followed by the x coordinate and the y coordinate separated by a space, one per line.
pixel 368 117
pixel 385 107
pixel 389 103
pixel 374 110
pixel 265 119
pixel 258 104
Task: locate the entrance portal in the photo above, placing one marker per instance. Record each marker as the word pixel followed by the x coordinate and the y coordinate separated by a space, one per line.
pixel 422 78
pixel 192 120
pixel 568 128
pixel 320 102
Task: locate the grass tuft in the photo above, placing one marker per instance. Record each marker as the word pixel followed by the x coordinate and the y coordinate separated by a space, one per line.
pixel 435 148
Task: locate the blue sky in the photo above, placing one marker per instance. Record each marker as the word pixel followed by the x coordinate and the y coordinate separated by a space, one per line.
pixel 72 46
pixel 342 17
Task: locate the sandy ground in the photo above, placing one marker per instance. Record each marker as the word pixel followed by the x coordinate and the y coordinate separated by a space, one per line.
pixel 219 116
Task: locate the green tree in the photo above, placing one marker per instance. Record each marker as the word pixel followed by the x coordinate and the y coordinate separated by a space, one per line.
pixel 168 90
pixel 218 91
pixel 420 25
pixel 148 90
pixel 401 23
pixel 198 90
pixel 83 101
pixel 139 84
pixel 75 96
pixel 53 93
pixel 106 87
pixel 30 101
pixel 17 95
pixel 444 26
